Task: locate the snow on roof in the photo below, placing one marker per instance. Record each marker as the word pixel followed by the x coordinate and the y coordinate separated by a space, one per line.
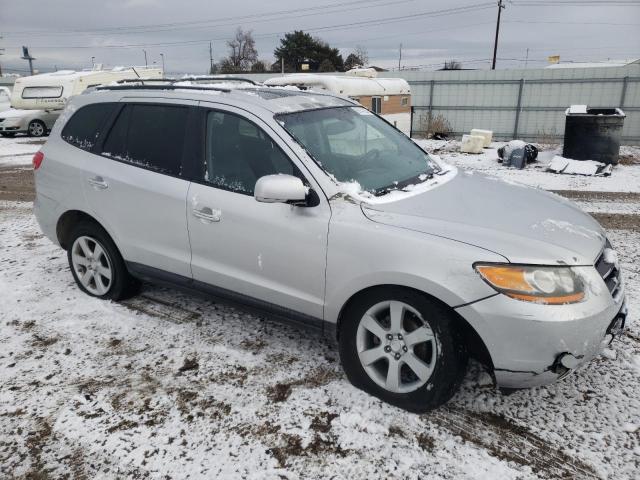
pixel 73 74
pixel 607 63
pixel 345 85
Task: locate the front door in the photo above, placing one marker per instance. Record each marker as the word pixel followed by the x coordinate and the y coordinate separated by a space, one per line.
pixel 271 252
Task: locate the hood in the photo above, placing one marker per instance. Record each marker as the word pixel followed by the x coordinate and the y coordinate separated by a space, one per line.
pixel 523 224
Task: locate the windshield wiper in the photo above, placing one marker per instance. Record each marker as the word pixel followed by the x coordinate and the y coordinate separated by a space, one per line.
pixel 420 178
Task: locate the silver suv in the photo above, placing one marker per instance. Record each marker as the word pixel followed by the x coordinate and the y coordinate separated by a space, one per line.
pixel 309 208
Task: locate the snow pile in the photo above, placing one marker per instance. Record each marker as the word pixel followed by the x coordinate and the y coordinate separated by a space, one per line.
pixel 578 167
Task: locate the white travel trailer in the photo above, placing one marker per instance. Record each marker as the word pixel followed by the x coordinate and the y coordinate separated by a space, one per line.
pixel 388 97
pixel 51 91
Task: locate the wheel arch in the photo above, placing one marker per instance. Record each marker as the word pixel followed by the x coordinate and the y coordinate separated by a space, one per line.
pixel 476 347
pixel 68 220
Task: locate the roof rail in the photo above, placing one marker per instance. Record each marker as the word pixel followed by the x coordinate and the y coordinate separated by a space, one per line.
pixel 142 80
pixel 219 78
pixel 169 86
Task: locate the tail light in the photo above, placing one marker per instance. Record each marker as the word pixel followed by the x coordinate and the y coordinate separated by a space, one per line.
pixel 37 160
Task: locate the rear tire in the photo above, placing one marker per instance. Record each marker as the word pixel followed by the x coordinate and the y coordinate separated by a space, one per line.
pixel 96 264
pixel 37 128
pixel 402 347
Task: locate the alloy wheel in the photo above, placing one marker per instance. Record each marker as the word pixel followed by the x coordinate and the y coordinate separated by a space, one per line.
pixel 36 129
pixel 91 265
pixel 396 347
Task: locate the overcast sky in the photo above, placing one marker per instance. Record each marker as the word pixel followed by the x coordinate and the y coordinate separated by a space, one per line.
pixel 67 33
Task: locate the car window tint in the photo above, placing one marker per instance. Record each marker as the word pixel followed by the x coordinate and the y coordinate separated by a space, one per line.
pixel 83 128
pixel 238 153
pixel 150 136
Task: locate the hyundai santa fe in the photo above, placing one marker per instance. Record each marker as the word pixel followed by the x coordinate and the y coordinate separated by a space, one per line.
pixel 312 210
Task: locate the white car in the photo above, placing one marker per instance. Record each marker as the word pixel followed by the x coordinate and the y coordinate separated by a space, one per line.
pixel 5 99
pixel 35 123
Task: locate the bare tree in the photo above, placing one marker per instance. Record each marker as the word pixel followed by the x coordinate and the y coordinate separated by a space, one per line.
pixel 452 65
pixel 363 54
pixel 242 52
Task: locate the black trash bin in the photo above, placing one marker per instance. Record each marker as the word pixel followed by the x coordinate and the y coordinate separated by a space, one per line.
pixel 594 135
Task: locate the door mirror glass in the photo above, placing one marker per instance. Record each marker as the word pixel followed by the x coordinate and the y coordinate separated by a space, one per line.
pixel 280 189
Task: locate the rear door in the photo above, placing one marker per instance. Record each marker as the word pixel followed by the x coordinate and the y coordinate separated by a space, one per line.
pixel 271 254
pixel 134 184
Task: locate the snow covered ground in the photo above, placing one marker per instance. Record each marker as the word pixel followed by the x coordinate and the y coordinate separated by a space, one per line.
pixel 624 178
pixel 19 150
pixel 169 385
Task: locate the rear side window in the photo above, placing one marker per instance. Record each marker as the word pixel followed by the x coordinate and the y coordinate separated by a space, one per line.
pixel 149 136
pixel 83 129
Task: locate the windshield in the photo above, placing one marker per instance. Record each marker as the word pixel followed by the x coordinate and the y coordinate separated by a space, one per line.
pixel 354 145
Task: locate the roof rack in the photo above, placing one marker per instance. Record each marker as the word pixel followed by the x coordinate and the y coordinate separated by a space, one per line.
pixel 166 86
pixel 219 78
pixel 171 83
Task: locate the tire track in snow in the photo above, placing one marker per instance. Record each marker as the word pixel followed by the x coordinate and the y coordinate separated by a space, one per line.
pixel 497 435
pixel 503 439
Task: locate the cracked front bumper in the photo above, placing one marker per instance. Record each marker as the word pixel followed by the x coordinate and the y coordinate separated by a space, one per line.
pixel 527 341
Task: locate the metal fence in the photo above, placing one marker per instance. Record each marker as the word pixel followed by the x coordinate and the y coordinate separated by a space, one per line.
pixel 526 117
pixel 528 104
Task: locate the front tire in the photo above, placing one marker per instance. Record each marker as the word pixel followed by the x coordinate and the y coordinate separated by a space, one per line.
pixel 96 264
pixel 37 128
pixel 401 346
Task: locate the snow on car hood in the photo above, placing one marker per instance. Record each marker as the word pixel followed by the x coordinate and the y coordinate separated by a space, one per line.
pixel 524 224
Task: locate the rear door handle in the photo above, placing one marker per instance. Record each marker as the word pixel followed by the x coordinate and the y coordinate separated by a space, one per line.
pixel 98 183
pixel 207 214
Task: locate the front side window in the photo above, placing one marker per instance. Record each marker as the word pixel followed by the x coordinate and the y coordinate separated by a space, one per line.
pixel 238 153
pixel 83 129
pixel 149 136
pixel 42 92
pixel 353 145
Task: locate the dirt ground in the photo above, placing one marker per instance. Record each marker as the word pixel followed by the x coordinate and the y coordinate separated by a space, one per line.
pixel 16 183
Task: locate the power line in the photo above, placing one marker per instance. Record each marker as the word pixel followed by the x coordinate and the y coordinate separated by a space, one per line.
pixel 160 27
pixel 361 24
pixel 578 3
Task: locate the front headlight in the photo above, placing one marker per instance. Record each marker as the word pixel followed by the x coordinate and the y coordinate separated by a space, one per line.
pixel 531 283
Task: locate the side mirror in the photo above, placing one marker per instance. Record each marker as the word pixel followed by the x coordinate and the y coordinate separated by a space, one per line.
pixel 280 189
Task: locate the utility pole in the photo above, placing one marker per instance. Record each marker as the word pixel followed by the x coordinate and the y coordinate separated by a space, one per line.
pixel 162 56
pixel 495 45
pixel 400 58
pixel 526 60
pixel 145 58
pixel 210 59
pixel 282 65
pixel 1 53
pixel 27 56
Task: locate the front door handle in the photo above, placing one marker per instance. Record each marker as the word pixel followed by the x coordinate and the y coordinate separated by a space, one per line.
pixel 98 183
pixel 207 214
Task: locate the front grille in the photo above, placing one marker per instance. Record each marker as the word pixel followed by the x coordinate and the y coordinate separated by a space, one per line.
pixel 608 269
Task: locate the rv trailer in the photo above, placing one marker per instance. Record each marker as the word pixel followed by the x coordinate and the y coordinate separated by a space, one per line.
pixel 388 97
pixel 51 91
